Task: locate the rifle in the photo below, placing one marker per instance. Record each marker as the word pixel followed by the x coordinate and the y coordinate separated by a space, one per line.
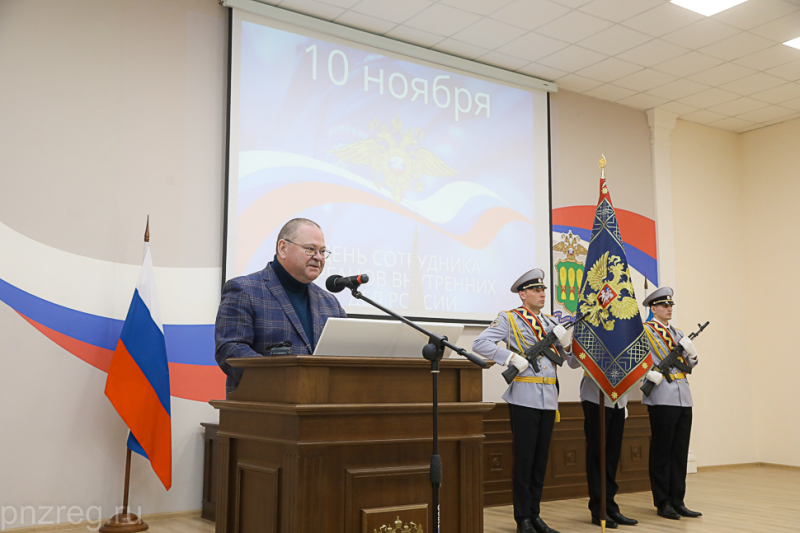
pixel 670 361
pixel 541 348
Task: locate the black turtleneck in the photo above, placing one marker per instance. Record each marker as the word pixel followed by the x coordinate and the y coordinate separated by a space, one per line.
pixel 297 291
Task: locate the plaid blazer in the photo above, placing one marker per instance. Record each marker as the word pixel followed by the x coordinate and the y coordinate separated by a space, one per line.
pixel 255 312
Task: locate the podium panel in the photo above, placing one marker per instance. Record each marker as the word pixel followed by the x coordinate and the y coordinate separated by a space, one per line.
pixel 323 443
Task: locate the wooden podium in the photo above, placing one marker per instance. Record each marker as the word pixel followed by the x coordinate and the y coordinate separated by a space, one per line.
pixel 311 444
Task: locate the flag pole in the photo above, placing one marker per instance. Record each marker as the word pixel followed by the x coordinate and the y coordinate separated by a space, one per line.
pixel 602 420
pixel 126 522
pixel 601 404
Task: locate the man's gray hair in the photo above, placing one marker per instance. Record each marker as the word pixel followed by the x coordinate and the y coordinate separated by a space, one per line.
pixel 289 230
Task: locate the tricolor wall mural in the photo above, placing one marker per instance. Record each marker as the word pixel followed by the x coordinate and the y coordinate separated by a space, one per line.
pixel 63 311
pixel 82 309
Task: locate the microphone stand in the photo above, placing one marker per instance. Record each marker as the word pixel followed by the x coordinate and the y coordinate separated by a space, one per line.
pixel 433 352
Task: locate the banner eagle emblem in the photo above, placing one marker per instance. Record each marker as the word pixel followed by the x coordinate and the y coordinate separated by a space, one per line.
pixel 611 297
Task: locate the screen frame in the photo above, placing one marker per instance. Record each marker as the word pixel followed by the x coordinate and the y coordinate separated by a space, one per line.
pixel 314 28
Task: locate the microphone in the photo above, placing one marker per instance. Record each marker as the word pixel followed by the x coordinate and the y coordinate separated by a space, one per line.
pixel 337 283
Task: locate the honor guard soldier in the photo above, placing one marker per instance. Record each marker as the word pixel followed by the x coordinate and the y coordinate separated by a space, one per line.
pixel 670 409
pixel 532 397
pixel 615 425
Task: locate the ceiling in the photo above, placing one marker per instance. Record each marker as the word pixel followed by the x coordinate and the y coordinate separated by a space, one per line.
pixel 729 71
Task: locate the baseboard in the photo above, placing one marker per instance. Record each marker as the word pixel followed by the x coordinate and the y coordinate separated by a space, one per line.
pixel 166 516
pixel 776 465
pixel 92 525
pixel 747 465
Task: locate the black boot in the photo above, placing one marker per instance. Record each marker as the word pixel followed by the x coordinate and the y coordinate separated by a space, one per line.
pixel 610 524
pixel 540 527
pixel 525 526
pixel 665 510
pixel 621 519
pixel 683 511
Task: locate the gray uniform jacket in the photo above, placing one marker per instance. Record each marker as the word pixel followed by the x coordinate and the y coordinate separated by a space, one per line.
pixel 676 393
pixel 590 392
pixel 534 395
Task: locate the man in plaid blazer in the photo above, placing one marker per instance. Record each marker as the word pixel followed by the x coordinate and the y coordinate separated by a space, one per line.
pixel 277 304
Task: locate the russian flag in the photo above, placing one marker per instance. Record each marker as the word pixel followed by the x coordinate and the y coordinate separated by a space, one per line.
pixel 138 378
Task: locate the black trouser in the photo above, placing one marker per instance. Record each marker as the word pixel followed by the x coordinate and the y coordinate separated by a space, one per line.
pixel 615 424
pixel 670 429
pixel 531 431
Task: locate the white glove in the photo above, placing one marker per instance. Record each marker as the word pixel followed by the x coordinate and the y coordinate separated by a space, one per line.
pixel 626 413
pixel 564 336
pixel 519 362
pixel 688 345
pixel 654 376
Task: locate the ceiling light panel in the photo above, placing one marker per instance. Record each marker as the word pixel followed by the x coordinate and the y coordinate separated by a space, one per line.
pixel 707 7
pixel 794 43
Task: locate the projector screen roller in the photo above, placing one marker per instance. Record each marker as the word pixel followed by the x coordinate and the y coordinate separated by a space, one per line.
pixel 432 181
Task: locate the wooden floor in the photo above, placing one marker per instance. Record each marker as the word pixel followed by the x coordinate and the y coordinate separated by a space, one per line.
pixel 761 499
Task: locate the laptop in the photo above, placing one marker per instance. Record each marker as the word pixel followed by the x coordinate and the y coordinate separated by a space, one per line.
pixel 380 338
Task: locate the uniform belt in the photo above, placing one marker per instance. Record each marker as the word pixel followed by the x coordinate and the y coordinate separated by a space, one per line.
pixel 535 379
pixel 679 375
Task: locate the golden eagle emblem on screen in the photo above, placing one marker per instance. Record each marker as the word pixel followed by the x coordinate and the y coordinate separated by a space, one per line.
pixel 396 164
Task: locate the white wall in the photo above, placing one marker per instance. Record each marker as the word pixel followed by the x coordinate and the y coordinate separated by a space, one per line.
pixel 111 110
pixel 582 129
pixel 771 188
pixel 710 258
pixel 737 258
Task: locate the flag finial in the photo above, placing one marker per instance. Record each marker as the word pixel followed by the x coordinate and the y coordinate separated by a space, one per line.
pixel 604 195
pixel 147 230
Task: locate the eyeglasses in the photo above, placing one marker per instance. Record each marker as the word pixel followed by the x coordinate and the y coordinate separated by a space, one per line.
pixel 311 251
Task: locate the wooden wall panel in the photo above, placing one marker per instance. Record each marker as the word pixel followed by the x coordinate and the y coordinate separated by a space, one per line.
pixel 566 469
pixel 497 459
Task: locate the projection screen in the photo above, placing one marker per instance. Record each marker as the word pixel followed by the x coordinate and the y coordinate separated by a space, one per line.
pixel 431 180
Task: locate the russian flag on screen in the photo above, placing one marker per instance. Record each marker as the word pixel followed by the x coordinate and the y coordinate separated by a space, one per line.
pixel 138 379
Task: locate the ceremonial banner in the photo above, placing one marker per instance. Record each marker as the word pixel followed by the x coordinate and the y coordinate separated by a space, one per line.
pixel 138 378
pixel 610 344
